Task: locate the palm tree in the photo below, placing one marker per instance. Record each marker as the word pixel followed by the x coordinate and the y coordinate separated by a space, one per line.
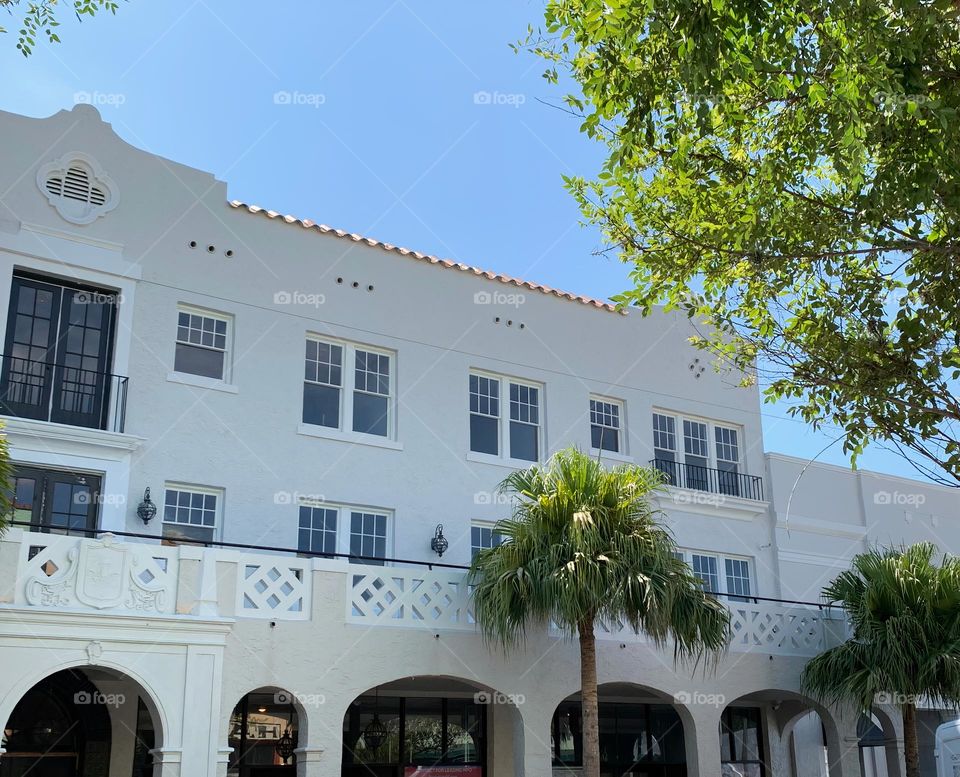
pixel 904 613
pixel 584 547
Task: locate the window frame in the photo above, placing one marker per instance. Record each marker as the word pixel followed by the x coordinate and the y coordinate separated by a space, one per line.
pixel 344 531
pixel 215 315
pixel 193 488
pixel 622 438
pixel 481 525
pixel 348 387
pixel 721 559
pixel 504 419
pixel 712 425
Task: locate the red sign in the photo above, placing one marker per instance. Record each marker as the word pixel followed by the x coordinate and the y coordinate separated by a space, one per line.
pixel 443 771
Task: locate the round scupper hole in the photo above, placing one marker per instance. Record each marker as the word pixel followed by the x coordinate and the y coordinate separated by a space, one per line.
pixel 211 249
pixel 193 243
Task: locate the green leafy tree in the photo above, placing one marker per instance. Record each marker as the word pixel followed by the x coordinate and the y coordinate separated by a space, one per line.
pixel 584 547
pixel 788 173
pixel 39 19
pixel 904 612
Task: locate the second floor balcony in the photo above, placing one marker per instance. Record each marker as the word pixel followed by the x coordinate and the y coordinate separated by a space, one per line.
pixel 62 393
pixel 723 482
pixel 110 575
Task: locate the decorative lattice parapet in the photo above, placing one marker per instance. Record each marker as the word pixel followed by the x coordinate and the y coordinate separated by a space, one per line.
pixel 105 574
pixel 273 587
pixel 409 597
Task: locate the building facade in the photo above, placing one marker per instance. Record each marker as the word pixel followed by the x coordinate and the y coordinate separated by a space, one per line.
pixel 236 436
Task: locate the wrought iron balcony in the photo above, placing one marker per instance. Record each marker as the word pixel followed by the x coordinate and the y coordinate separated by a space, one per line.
pixel 62 393
pixel 709 479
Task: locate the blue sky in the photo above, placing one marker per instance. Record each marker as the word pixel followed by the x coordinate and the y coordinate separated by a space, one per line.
pixel 411 121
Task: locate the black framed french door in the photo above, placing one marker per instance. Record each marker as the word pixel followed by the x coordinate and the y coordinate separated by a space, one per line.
pixel 57 353
pixel 55 501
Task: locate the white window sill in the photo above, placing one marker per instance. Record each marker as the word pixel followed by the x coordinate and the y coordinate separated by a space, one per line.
pixel 618 457
pixel 199 381
pixel 312 430
pixel 486 458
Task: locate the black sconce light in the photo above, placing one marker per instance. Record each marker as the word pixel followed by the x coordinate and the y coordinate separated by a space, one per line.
pixel 439 543
pixel 146 509
pixel 285 746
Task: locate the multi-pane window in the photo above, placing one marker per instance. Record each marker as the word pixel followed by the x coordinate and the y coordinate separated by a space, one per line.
pixel 524 422
pixel 482 537
pixel 726 575
pixel 709 459
pixel 202 340
pixel 738 577
pixel 368 536
pixel 484 414
pixel 705 567
pixel 371 393
pixel 322 382
pixel 605 425
pixel 318 529
pixel 337 397
pixel 741 737
pixel 488 425
pixel 190 513
pixel 728 459
pixel 328 529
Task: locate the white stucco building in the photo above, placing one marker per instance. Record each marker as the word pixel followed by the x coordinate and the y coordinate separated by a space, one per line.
pixel 292 395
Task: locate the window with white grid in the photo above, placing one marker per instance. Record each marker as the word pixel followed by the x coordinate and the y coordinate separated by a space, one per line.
pixel 705 567
pixel 368 536
pixel 318 529
pixel 484 414
pixel 190 513
pixel 481 537
pixel 322 382
pixel 519 427
pixel 371 395
pixel 738 577
pixel 349 387
pixel 695 439
pixel 524 422
pixel 201 347
pixel 605 420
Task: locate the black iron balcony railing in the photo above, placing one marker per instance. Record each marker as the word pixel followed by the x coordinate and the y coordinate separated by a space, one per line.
pixel 709 479
pixel 62 394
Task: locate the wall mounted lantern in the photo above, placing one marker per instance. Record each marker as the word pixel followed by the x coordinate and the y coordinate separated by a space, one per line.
pixel 146 509
pixel 439 543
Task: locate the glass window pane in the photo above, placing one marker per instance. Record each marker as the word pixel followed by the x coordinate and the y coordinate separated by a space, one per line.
pixel 321 405
pixel 370 413
pixel 524 441
pixel 484 434
pixel 193 360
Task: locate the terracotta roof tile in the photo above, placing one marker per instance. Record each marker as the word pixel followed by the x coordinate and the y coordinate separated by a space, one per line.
pixel 308 224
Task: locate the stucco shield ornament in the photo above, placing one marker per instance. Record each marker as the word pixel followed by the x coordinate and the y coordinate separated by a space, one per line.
pixel 103 569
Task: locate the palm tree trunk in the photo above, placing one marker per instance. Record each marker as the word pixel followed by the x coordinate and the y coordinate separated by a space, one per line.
pixel 588 695
pixel 911 750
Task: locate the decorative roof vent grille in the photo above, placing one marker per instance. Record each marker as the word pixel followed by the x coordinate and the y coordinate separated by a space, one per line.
pixel 77 187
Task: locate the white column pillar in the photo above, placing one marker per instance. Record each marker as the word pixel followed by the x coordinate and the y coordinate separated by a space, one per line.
pixel 317 762
pixel 843 744
pixel 223 761
pixel 166 762
pixel 531 740
pixel 701 736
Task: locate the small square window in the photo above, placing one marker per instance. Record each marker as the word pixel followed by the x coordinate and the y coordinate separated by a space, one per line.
pixel 368 537
pixel 201 347
pixel 605 420
pixel 482 537
pixel 189 514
